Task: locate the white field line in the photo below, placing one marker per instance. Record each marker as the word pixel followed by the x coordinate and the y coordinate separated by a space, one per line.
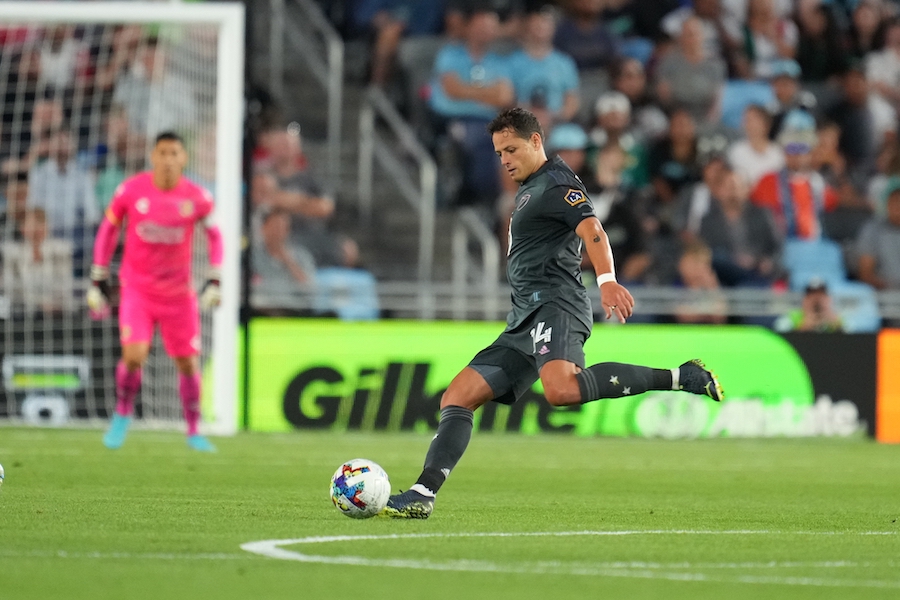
pixel 121 555
pixel 638 570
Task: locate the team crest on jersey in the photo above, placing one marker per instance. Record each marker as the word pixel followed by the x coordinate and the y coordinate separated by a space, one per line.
pixel 523 201
pixel 575 197
pixel 186 208
pixel 142 206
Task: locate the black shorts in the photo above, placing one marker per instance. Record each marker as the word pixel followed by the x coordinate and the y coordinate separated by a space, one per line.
pixel 512 364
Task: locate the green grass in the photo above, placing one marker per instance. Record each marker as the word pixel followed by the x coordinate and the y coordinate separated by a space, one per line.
pixel 807 519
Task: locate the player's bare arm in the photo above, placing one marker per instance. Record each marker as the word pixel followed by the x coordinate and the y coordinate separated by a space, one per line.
pixel 613 296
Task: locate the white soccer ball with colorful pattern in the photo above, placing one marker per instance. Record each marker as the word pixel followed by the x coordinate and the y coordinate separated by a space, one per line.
pixel 360 488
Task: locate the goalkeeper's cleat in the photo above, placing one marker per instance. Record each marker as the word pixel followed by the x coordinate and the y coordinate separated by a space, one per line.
pixel 409 505
pixel 118 429
pixel 200 443
pixel 694 377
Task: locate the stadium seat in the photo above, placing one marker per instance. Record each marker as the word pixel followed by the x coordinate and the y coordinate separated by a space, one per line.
pixel 737 94
pixel 350 294
pixel 805 259
pixel 857 304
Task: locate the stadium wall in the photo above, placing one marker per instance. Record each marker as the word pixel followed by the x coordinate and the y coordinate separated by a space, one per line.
pixel 389 375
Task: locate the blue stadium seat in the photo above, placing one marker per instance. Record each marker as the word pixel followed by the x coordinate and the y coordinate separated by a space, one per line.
pixel 351 294
pixel 805 259
pixel 737 94
pixel 857 304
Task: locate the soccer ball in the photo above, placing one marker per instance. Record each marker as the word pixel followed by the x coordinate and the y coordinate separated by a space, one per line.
pixel 360 488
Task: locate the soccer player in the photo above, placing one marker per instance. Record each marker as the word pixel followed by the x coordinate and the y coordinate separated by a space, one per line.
pixel 551 315
pixel 159 209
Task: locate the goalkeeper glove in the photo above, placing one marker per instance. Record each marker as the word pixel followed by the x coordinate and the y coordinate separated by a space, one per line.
pixel 98 293
pixel 211 294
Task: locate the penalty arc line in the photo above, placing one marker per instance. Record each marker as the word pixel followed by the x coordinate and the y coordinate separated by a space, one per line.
pixel 639 570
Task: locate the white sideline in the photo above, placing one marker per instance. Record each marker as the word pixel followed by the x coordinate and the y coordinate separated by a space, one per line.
pixel 639 570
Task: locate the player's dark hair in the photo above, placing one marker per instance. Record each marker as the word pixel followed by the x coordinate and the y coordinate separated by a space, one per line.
pixel 169 136
pixel 519 120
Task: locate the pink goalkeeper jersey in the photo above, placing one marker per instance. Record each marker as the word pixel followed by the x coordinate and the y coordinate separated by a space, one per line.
pixel 159 231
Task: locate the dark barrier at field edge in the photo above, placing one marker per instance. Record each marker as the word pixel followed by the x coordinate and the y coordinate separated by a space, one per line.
pixel 842 367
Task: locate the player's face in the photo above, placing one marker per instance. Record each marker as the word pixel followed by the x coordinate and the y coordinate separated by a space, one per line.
pixel 520 157
pixel 168 160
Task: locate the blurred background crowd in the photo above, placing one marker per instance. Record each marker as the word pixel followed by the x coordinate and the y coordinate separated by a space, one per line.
pixel 725 143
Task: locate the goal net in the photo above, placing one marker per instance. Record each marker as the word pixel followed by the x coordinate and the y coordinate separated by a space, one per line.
pixel 84 90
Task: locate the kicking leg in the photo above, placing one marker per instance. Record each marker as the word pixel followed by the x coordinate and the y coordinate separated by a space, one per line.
pixel 467 392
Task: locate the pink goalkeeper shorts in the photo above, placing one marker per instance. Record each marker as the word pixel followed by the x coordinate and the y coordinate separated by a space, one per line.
pixel 178 318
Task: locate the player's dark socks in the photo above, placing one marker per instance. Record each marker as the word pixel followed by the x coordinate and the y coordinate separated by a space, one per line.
pixel 613 380
pixel 447 447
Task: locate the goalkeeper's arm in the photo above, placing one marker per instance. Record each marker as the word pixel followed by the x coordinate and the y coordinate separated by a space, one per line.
pixel 104 246
pixel 211 294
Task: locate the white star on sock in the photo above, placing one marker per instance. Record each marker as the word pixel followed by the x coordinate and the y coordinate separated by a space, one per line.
pixel 614 380
pixel 626 391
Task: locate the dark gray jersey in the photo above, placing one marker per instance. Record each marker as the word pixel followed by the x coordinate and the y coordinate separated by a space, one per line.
pixel 544 263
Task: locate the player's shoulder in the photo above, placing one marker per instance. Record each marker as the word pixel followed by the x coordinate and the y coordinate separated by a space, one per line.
pixel 196 191
pixel 135 184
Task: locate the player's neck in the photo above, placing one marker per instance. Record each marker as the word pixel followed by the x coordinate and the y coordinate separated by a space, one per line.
pixel 165 184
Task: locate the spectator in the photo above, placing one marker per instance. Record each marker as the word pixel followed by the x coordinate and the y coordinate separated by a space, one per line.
pixel 878 248
pixel 797 195
pixel 755 154
pixel 695 273
pixel 694 201
pixel 391 20
pixel 570 143
pixel 64 188
pixel 788 94
pixel 647 118
pixel 153 97
pixel 689 76
pixel 583 35
pixel 509 12
pixel 283 183
pixel 674 165
pixel 816 312
pixel 767 37
pixel 883 67
pixel 613 127
pixel 19 97
pixel 867 122
pixel 742 237
pixel 62 57
pixel 718 35
pixel 15 203
pixel 38 269
pixel 545 79
pixel 471 83
pixel 822 47
pixel 642 18
pixel 616 205
pixel 866 30
pixel 283 272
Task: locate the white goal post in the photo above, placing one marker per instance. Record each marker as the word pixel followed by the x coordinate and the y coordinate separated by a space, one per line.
pixel 228 20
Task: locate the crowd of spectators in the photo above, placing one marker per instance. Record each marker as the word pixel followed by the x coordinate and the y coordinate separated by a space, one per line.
pixel 712 134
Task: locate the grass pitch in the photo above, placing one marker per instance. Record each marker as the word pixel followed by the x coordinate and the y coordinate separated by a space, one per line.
pixel 522 517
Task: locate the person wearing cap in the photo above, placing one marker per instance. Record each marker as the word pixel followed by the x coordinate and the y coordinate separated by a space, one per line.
pixel 545 79
pixel 785 81
pixel 816 312
pixel 569 142
pixel 796 194
pixel 613 127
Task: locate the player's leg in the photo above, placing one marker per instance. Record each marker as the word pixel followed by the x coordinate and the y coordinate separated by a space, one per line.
pixel 179 326
pixel 135 333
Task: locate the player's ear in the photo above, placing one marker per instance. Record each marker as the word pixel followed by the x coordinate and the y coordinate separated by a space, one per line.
pixel 536 140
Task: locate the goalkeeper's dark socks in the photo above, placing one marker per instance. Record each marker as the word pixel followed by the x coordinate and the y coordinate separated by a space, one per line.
pixel 614 380
pixel 447 447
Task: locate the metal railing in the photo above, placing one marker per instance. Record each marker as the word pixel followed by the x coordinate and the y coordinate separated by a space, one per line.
pixel 413 171
pixel 470 228
pixel 321 47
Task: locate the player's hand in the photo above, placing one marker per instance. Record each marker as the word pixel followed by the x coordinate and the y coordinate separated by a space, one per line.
pixel 211 294
pixel 616 299
pixel 98 294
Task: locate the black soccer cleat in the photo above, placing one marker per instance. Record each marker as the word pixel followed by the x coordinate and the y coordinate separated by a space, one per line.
pixel 409 505
pixel 694 377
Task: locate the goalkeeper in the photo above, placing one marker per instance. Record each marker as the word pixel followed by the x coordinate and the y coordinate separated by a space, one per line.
pixel 159 210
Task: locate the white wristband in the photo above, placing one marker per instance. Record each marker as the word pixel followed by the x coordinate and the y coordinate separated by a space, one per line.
pixel 605 278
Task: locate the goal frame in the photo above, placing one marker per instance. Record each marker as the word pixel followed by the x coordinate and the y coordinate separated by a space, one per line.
pixel 229 20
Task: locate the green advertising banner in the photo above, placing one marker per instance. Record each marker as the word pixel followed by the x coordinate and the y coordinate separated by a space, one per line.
pixel 389 375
